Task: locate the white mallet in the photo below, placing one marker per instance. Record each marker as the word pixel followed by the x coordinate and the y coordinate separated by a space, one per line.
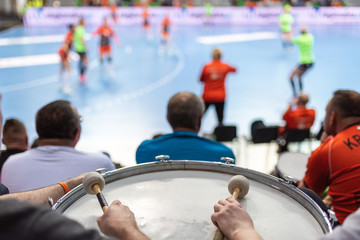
pixel 93 184
pixel 238 187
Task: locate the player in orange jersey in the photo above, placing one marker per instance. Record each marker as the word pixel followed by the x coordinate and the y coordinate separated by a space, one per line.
pixel 145 16
pixel 146 24
pixel 213 76
pixel 165 33
pixel 69 38
pixel 113 9
pixel 106 32
pixel 65 67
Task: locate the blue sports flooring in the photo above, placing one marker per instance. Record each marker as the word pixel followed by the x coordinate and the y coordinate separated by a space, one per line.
pixel 122 110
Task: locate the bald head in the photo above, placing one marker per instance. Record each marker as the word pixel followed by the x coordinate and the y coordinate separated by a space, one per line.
pixel 303 99
pixel 185 110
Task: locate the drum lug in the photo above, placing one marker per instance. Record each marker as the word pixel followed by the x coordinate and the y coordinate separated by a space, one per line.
pixel 101 170
pixel 162 158
pixel 227 160
pixel 290 180
pixel 332 217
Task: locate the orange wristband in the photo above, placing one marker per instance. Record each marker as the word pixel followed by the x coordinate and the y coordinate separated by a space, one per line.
pixel 64 186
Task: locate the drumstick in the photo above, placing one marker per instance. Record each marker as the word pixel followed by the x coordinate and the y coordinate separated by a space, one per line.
pixel 93 184
pixel 238 187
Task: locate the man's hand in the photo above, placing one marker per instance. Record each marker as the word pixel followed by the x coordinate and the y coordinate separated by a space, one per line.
pixel 233 220
pixel 119 221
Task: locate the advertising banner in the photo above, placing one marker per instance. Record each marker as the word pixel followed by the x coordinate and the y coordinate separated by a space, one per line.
pixel 61 16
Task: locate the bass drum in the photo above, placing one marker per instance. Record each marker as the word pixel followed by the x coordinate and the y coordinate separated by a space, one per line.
pixel 174 200
pixel 292 164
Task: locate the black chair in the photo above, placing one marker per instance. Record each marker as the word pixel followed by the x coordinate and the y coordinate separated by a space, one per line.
pixel 225 133
pixel 262 134
pixel 296 135
pixel 265 135
pixel 292 135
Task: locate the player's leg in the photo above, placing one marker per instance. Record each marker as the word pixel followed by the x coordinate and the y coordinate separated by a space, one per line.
pixel 207 105
pixel 219 106
pixel 101 54
pixel 83 65
pixel 67 68
pixel 302 70
pixel 108 53
pixel 293 74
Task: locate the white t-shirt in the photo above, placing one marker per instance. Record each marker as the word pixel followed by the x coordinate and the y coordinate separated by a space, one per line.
pixel 48 165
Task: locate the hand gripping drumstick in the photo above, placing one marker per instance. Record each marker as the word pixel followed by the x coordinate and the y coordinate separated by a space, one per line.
pixel 238 186
pixel 93 184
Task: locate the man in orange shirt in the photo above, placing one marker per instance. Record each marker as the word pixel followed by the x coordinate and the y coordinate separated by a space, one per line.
pixel 336 162
pixel 213 76
pixel 297 116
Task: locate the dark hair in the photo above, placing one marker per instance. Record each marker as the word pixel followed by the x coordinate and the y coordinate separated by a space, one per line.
pixel 347 103
pixel 71 26
pixel 14 130
pixel 184 110
pixel 58 119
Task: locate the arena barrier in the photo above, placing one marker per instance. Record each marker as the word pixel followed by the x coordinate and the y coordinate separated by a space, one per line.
pixel 61 16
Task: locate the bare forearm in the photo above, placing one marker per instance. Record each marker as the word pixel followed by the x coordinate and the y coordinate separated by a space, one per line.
pixel 41 195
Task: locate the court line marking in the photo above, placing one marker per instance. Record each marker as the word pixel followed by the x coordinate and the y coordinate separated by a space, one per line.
pixel 118 100
pixel 241 37
pixel 41 81
pixel 36 39
pixel 33 60
pixel 142 91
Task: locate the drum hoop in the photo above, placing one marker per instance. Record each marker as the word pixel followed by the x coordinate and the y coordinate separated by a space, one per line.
pixel 276 183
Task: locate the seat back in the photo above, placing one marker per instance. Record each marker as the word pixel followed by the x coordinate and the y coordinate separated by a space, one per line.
pixel 225 133
pixel 265 134
pixel 296 135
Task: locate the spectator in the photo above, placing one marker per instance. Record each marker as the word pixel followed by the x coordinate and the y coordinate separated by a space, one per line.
pixel 213 76
pixel 298 116
pixel 335 163
pixel 58 128
pixel 184 113
pixel 14 138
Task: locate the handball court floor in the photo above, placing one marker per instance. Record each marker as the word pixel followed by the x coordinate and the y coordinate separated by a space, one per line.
pixel 122 109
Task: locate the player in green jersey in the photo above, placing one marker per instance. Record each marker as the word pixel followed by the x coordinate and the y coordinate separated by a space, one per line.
pixel 80 48
pixel 305 42
pixel 285 21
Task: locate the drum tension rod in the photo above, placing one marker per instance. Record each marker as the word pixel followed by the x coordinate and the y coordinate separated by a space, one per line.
pixel 227 160
pixel 162 158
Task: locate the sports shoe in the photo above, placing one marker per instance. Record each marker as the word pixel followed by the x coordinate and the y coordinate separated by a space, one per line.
pixel 82 78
